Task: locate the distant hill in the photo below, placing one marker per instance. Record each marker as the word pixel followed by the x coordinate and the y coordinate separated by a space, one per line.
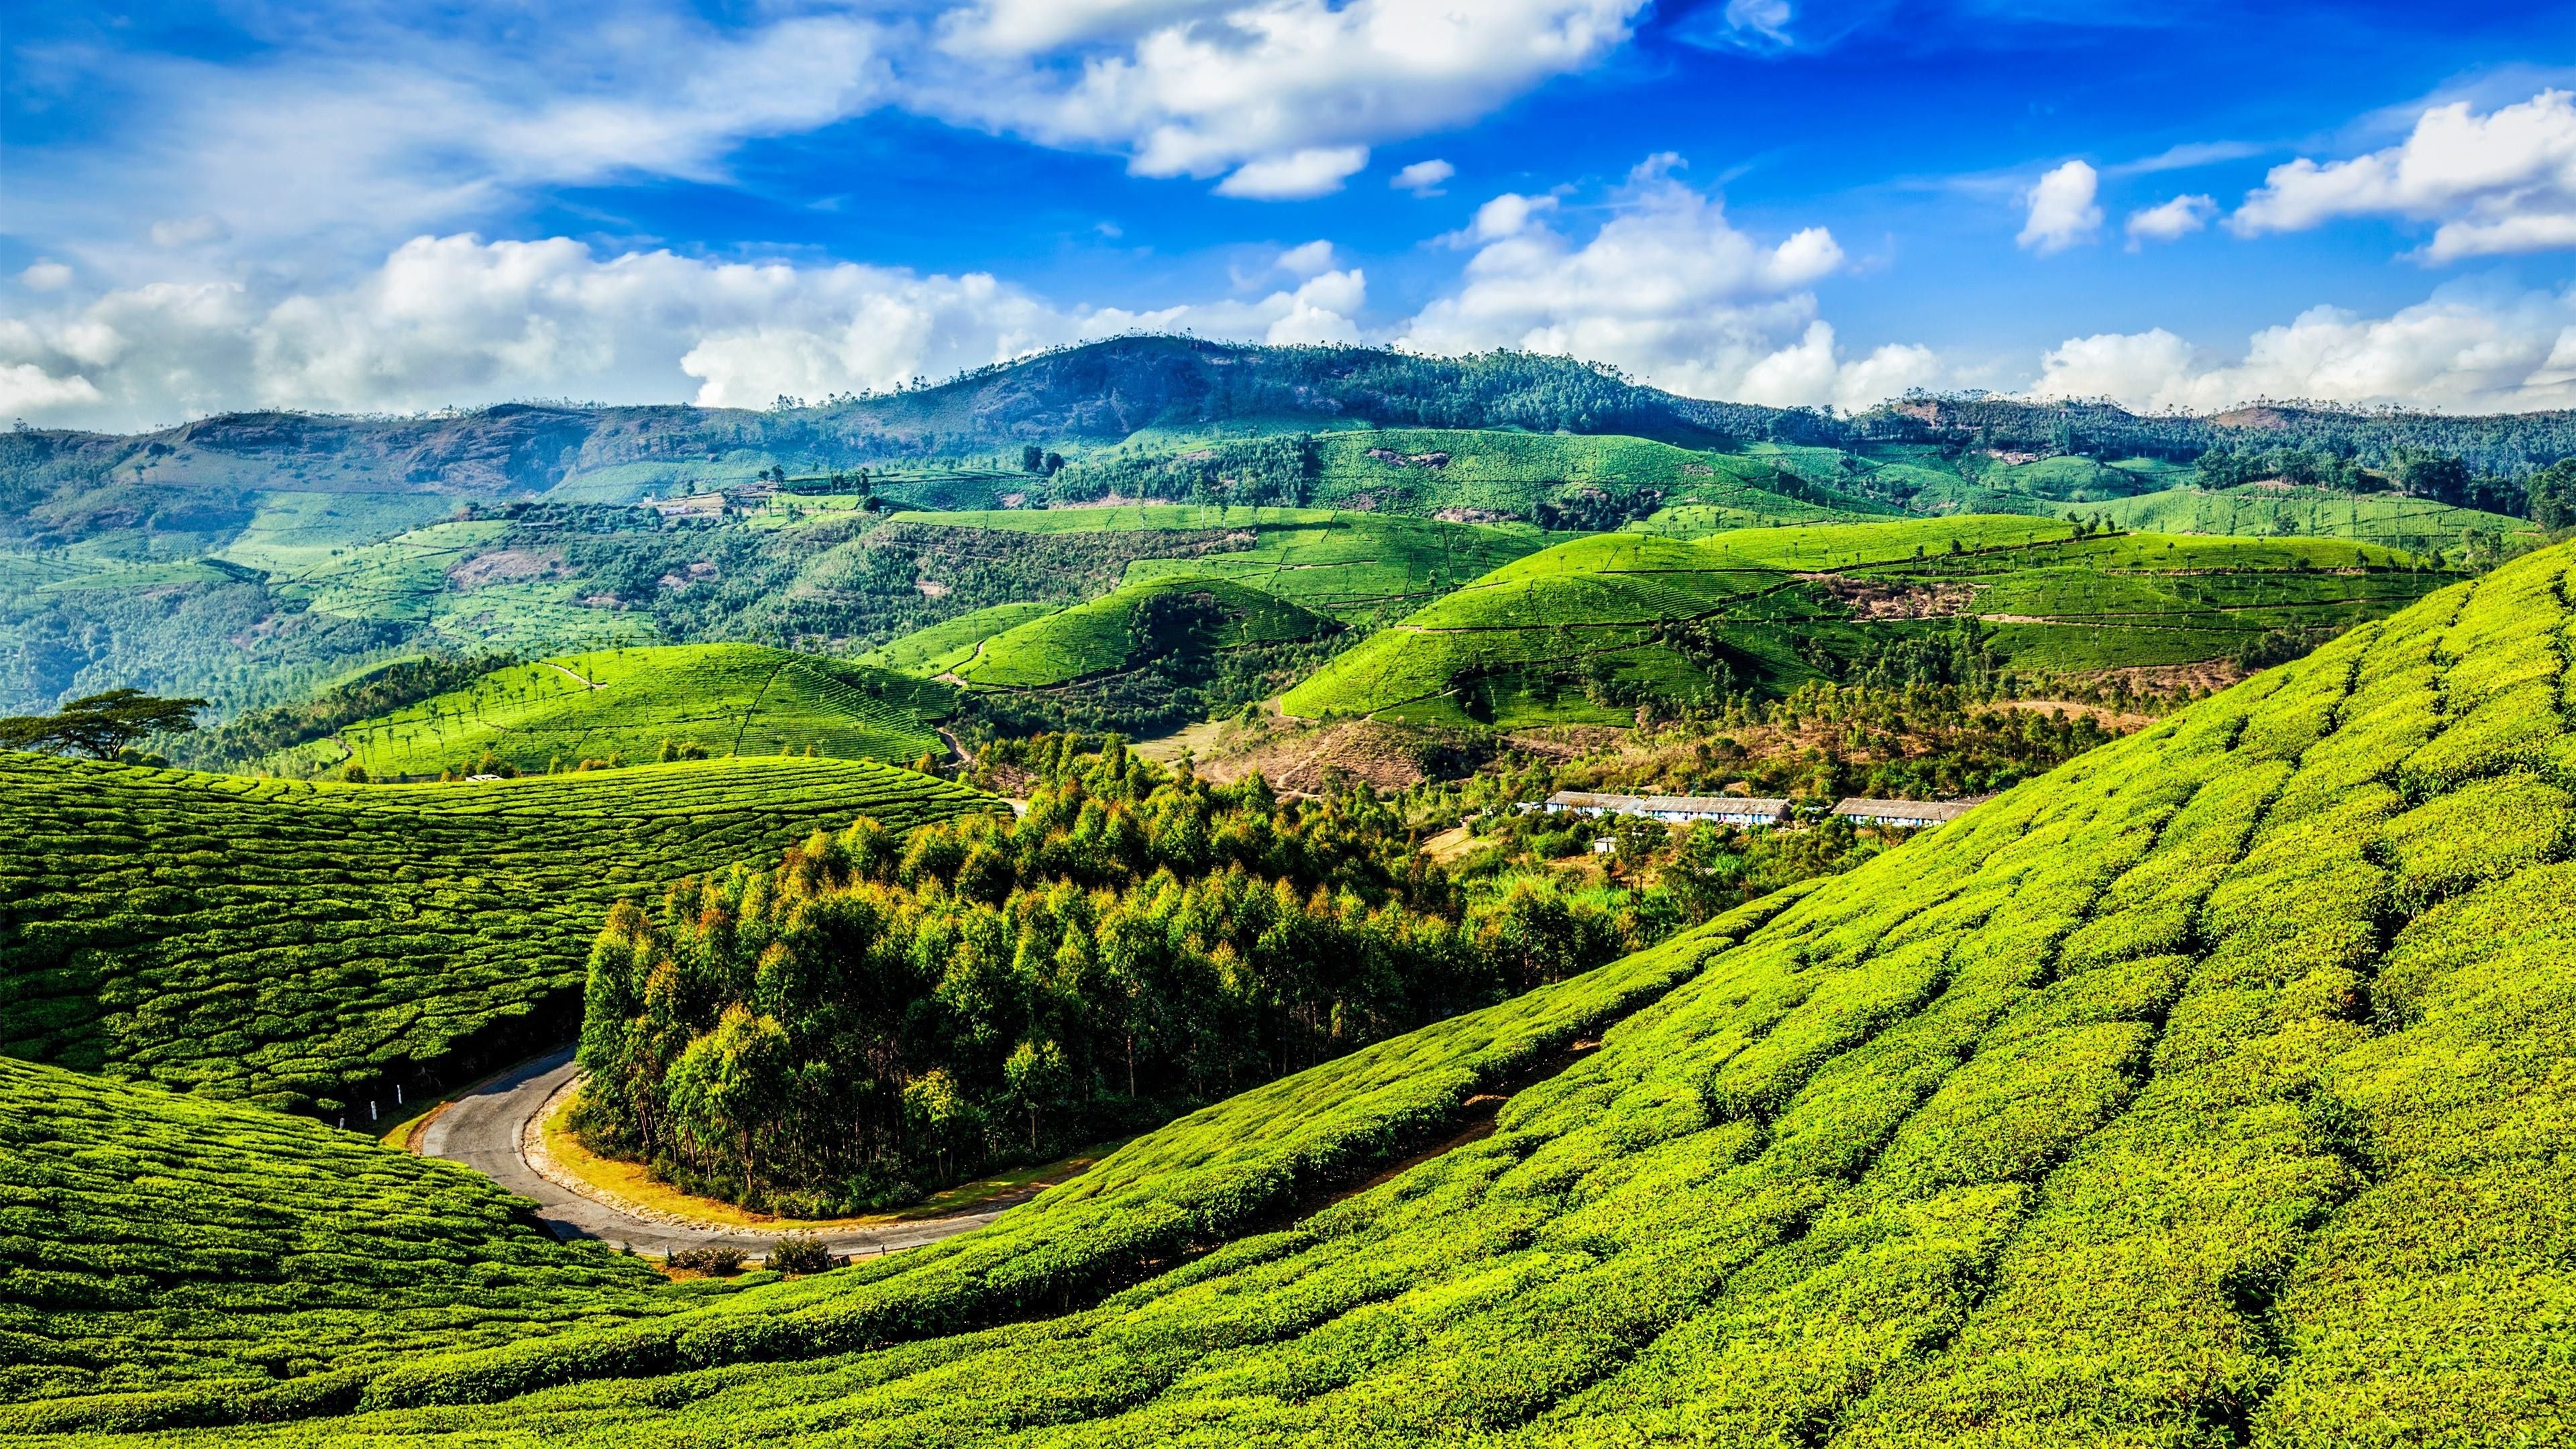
pixel 1588 631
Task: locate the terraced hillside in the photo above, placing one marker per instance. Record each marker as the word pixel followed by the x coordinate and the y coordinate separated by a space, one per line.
pixel 1192 614
pixel 305 946
pixel 929 653
pixel 1355 567
pixel 731 698
pixel 2418 525
pixel 2211 1090
pixel 253 1261
pixel 1589 629
pixel 1561 480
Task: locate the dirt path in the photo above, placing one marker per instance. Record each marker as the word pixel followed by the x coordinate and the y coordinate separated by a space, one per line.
pixel 494 1130
pixel 576 677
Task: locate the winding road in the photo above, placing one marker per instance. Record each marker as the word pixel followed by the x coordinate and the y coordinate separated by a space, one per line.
pixel 494 1130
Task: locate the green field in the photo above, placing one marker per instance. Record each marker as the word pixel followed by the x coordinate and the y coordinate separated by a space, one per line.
pixel 1103 636
pixel 929 653
pixel 151 1240
pixel 732 698
pixel 1772 598
pixel 1356 567
pixel 1508 475
pixel 2212 1089
pixel 292 944
pixel 2419 525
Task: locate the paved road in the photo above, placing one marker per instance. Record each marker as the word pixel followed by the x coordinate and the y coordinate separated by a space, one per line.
pixel 493 1130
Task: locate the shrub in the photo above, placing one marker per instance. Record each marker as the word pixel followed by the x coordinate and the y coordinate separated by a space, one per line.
pixel 799 1253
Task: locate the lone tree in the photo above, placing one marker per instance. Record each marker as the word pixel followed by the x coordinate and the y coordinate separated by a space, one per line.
pixel 101 725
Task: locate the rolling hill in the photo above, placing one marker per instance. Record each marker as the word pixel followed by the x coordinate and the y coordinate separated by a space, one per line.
pixel 311 946
pixel 1190 616
pixel 2211 1089
pixel 1354 567
pixel 734 699
pixel 1589 629
pixel 253 1262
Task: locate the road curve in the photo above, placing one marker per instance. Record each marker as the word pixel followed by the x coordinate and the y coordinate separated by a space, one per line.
pixel 493 1129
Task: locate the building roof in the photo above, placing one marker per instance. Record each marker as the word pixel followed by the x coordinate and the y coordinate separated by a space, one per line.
pixel 1669 804
pixel 1934 810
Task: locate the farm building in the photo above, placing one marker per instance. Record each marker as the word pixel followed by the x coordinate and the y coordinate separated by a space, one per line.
pixel 1907 814
pixel 1673 809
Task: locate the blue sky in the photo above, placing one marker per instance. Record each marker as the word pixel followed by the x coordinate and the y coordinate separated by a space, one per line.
pixel 399 207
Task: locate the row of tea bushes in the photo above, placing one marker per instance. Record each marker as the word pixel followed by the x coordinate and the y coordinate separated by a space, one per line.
pixel 292 944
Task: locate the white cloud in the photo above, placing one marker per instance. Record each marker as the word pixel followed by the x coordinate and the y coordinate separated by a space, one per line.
pixel 1666 289
pixel 2171 220
pixel 1509 214
pixel 1811 372
pixel 1307 260
pixel 1295 176
pixel 189 231
pixel 45 276
pixel 457 319
pixel 1263 89
pixel 2461 349
pixel 2497 183
pixel 1423 178
pixel 2062 212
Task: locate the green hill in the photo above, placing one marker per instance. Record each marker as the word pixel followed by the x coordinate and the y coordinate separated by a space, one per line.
pixel 929 653
pixel 1191 615
pixel 2211 1089
pixel 304 945
pixel 255 1261
pixel 1355 567
pixel 2418 525
pixel 731 698
pixel 1589 629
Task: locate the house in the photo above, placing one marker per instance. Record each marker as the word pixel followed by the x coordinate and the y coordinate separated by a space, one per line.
pixel 1673 809
pixel 1904 814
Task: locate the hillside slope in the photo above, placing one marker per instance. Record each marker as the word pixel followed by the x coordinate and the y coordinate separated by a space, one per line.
pixel 151 1239
pixel 2213 1089
pixel 1590 629
pixel 1189 617
pixel 731 698
pixel 310 946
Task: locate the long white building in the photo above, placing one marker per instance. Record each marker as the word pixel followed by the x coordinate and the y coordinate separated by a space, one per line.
pixel 1673 809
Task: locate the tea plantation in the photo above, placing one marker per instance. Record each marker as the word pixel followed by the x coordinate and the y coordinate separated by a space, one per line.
pixel 250 1260
pixel 297 945
pixel 1656 617
pixel 1355 567
pixel 1206 615
pixel 727 698
pixel 2213 1089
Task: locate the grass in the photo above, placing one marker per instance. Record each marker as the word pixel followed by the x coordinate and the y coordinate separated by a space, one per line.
pixel 2051 603
pixel 308 946
pixel 2211 1089
pixel 2416 524
pixel 1100 637
pixel 732 698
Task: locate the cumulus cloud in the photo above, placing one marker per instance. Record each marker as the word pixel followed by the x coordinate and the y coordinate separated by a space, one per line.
pixel 1283 97
pixel 2061 209
pixel 2498 183
pixel 457 319
pixel 1308 260
pixel 2462 349
pixel 2171 220
pixel 1316 171
pixel 45 276
pixel 1667 289
pixel 1423 178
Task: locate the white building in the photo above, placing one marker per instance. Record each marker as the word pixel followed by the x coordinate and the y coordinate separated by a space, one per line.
pixel 1904 814
pixel 1673 809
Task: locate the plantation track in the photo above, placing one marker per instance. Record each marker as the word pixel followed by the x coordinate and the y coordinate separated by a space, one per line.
pixel 491 1128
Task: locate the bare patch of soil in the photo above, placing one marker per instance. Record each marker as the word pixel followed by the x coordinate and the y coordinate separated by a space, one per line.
pixel 1879 599
pixel 506 566
pixel 1473 515
pixel 2116 721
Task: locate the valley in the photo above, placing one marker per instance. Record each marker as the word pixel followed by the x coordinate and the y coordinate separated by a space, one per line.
pixel 1029 910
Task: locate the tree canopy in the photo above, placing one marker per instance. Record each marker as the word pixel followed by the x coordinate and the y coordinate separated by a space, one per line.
pixel 101 725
